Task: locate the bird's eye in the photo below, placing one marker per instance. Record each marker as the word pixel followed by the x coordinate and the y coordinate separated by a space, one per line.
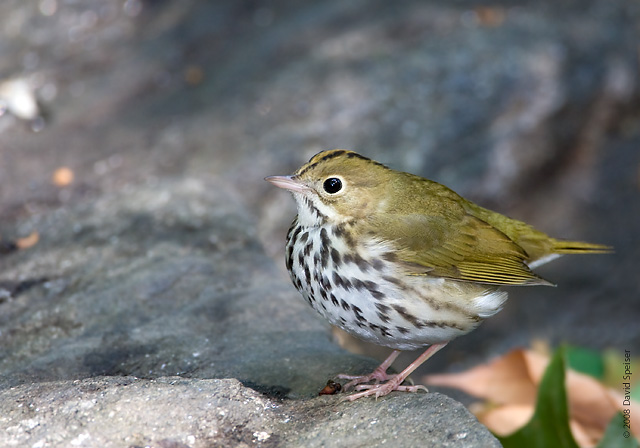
pixel 332 185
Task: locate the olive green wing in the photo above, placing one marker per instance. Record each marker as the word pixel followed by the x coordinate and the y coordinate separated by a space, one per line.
pixel 460 247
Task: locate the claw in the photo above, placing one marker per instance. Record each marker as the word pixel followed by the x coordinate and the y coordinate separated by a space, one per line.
pixel 379 375
pixel 393 381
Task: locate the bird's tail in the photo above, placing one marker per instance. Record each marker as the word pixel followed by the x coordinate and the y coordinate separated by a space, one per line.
pixel 579 247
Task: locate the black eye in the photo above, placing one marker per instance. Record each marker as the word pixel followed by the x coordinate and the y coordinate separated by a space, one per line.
pixel 332 185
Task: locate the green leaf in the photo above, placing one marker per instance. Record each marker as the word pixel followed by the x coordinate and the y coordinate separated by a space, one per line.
pixel 549 426
pixel 586 361
pixel 614 436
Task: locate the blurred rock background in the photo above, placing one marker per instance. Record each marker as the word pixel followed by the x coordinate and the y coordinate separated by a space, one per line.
pixel 137 231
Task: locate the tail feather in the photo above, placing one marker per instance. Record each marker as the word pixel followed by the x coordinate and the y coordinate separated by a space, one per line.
pixel 579 247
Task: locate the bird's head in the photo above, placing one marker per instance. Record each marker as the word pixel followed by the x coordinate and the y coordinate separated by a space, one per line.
pixel 336 186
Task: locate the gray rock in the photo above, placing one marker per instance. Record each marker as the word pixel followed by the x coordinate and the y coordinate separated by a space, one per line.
pixel 126 411
pixel 174 412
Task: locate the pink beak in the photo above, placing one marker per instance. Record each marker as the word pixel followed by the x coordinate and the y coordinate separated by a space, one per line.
pixel 287 182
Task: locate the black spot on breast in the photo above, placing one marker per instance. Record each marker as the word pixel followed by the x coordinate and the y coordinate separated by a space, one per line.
pixel 383 308
pixel 326 284
pixel 324 238
pixel 289 258
pixel 334 300
pixel 335 257
pixel 345 305
pixel 340 281
pixel 402 330
pixel 359 284
pixel 324 255
pixel 304 237
pixel 340 232
pixel 371 286
pixel 377 264
pixel 291 229
pixel 413 320
pixel 315 210
pixel 358 313
pixel 440 324
pixel 308 248
pixel 361 262
pixel 307 275
pixel 356 259
pixel 296 232
pixel 377 294
pixel 383 317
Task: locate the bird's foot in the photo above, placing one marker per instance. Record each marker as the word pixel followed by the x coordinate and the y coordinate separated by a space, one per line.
pixel 394 382
pixel 357 381
pixel 379 375
pixel 380 390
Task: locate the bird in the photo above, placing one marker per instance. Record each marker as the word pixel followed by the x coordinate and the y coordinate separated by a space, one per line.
pixel 401 261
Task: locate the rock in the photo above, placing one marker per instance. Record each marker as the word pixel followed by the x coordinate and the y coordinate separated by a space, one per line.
pixel 173 412
pixel 410 420
pixel 157 281
pixel 126 411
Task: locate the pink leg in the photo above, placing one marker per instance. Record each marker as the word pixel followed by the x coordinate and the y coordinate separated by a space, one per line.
pixel 379 375
pixel 395 381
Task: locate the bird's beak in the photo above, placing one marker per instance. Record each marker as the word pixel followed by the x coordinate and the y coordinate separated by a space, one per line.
pixel 288 183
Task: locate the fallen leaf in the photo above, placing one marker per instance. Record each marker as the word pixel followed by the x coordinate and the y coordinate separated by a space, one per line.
pixel 505 380
pixel 193 75
pixel 28 241
pixel 490 16
pixel 506 419
pixel 62 177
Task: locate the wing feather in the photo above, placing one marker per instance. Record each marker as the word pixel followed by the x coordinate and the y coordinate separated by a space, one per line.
pixel 461 247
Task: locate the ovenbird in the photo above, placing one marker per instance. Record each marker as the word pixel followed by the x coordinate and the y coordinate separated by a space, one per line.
pixel 402 261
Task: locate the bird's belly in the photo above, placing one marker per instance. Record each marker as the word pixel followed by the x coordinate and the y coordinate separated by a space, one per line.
pixel 361 289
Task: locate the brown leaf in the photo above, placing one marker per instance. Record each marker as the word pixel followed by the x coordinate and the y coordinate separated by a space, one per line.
pixel 505 380
pixel 28 241
pixel 506 419
pixel 62 177
pixel 511 382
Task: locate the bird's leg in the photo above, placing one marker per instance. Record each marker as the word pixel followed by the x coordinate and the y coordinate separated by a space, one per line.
pixel 379 374
pixel 395 381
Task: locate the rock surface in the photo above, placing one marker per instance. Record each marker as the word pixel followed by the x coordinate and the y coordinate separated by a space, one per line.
pixel 173 412
pixel 148 287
